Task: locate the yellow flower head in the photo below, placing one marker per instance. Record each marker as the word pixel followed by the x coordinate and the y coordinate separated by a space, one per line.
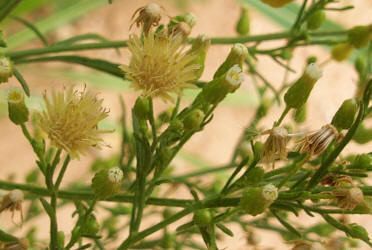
pixel 159 65
pixel 70 120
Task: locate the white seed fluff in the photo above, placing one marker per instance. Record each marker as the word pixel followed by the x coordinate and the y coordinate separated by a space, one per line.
pixel 314 71
pixel 153 9
pixel 115 175
pixel 270 192
pixel 16 195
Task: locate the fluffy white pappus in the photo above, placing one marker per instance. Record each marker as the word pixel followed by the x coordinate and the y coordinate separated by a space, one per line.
pixel 270 192
pixel 314 71
pixel 115 175
pixel 16 195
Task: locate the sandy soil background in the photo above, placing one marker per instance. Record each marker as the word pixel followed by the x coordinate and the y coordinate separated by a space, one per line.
pixel 216 18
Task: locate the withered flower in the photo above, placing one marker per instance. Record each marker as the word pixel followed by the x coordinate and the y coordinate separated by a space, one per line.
pixel 318 141
pixel 275 145
pixel 12 202
pixel 148 16
pixel 348 198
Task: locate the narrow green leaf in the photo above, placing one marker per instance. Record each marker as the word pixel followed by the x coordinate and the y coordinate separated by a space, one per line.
pixel 6 6
pixel 31 27
pixel 286 224
pixel 98 64
pixel 22 81
pixel 225 229
pixel 48 208
pixel 5 237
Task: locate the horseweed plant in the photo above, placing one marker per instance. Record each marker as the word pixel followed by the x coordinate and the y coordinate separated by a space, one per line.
pixel 310 177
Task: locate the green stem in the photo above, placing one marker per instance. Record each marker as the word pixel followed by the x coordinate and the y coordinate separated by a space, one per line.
pixel 62 172
pixel 285 112
pixel 120 44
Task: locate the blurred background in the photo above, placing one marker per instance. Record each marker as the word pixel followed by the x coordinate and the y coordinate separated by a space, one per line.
pixel 61 19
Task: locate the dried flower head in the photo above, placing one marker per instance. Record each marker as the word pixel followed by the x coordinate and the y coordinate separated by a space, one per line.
pixel 318 141
pixel 275 145
pixel 148 16
pixel 12 202
pixel 337 180
pixel 348 198
pixel 159 65
pixel 71 118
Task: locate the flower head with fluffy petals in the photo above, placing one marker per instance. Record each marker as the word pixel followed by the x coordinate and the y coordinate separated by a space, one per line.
pixel 70 120
pixel 159 65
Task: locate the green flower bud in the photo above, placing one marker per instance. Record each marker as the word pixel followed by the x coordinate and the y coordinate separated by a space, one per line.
pixel 237 55
pixel 297 95
pixel 142 108
pixel 341 51
pixel 362 161
pixel 311 59
pixel 174 131
pixel 61 240
pixel 6 68
pixel 199 48
pixel 168 212
pixel 202 217
pixel 193 120
pixel 358 232
pixel 253 177
pixel 18 112
pixel 107 182
pixel 360 64
pixel 216 90
pixel 344 117
pixel 299 116
pixel 286 54
pixel 362 135
pixel 360 36
pixel 244 25
pixel 188 18
pixel 256 200
pixel 90 227
pixel 316 19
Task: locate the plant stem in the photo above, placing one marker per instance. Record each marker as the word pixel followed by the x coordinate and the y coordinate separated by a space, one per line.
pixel 285 112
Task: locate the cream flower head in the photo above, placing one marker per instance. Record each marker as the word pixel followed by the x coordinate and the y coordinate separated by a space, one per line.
pixel 70 120
pixel 159 65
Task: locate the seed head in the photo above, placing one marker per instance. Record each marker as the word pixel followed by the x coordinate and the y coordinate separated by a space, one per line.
pixel 348 198
pixel 148 16
pixel 70 120
pixel 159 65
pixel 275 145
pixel 318 141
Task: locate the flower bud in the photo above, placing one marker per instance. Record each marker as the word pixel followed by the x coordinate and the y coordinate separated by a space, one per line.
pixel 243 26
pixel 202 217
pixel 107 182
pixel 142 108
pixel 174 131
pixel 6 69
pixel 297 95
pixel 344 117
pixel 358 232
pixel 237 55
pixel 253 177
pixel 362 135
pixel 316 19
pixel 276 3
pixel 193 120
pixel 341 51
pixel 90 227
pixel 199 48
pixel 18 112
pixel 256 200
pixel 360 36
pixel 299 116
pixel 216 90
pixel 362 161
pixel 188 18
